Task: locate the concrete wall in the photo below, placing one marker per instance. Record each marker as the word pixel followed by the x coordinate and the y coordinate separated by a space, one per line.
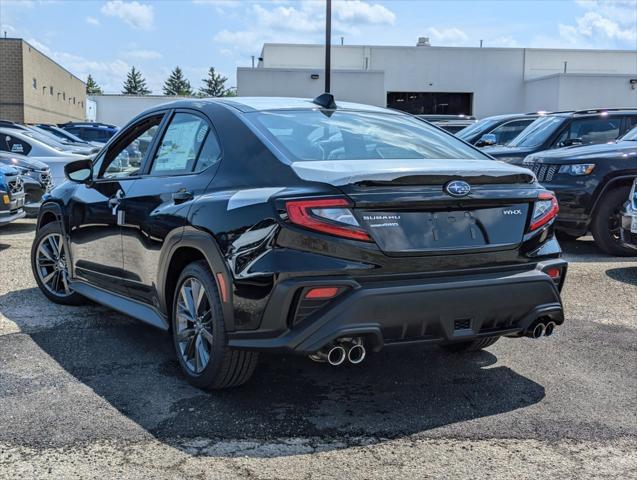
pixel 609 91
pixel 497 77
pixel 120 109
pixel 351 85
pixel 11 83
pixel 542 94
pixel 580 91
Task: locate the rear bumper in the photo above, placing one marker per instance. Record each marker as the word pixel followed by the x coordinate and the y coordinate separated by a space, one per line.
pixel 386 312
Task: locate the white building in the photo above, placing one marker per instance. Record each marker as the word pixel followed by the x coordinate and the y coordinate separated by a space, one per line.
pixel 119 109
pixel 426 79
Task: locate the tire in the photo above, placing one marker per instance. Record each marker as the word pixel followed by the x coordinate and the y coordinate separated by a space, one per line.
pixel 472 346
pixel 222 367
pixel 606 223
pixel 42 267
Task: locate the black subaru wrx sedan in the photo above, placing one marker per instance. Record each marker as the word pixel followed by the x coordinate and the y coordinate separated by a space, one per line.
pixel 310 227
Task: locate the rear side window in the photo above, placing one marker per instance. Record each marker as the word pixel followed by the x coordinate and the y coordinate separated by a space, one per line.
pixel 12 144
pixel 347 135
pixel 181 145
pixel 95 135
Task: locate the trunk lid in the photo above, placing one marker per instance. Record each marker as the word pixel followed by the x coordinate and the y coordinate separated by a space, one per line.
pixel 406 209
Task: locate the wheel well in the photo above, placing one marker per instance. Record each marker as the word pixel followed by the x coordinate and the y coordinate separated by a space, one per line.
pixel 182 257
pixel 46 218
pixel 621 182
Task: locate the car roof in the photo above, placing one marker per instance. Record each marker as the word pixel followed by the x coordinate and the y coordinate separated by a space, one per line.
pixel 257 104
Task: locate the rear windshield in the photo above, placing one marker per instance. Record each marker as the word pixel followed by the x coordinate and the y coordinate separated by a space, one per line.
pixel 347 135
pixel 538 132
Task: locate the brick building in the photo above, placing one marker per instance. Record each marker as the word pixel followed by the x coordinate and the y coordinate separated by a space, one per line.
pixel 35 89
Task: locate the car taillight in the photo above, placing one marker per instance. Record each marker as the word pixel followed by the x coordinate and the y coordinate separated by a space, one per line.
pixel 544 210
pixel 332 216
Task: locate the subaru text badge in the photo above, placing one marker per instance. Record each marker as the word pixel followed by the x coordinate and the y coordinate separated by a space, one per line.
pixel 458 188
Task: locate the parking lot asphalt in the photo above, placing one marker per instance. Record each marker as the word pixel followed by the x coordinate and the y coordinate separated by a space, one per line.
pixel 87 392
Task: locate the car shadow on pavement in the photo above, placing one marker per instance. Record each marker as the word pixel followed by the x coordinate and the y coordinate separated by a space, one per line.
pixel 625 275
pixel 23 226
pixel 394 393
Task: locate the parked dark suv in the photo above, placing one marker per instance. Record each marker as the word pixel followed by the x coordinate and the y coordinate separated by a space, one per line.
pixel 591 183
pixel 301 226
pixel 559 130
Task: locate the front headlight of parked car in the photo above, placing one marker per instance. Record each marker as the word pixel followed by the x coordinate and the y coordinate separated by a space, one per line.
pixel 577 169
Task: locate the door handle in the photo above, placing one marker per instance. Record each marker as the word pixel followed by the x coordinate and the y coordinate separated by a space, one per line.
pixel 182 196
pixel 114 202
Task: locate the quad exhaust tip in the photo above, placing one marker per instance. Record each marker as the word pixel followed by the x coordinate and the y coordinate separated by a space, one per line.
pixel 538 330
pixel 548 330
pixel 356 354
pixel 336 355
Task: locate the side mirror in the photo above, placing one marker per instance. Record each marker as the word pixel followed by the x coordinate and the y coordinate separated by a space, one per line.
pixel 487 140
pixel 573 141
pixel 79 171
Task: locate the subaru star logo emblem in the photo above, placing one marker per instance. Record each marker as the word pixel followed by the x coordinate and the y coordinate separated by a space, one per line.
pixel 458 188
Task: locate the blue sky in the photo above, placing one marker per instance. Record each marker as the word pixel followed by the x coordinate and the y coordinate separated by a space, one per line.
pixel 105 38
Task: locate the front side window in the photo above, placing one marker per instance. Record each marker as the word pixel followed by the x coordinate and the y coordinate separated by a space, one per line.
pixel 480 126
pixel 348 135
pixel 181 145
pixel 125 157
pixel 590 130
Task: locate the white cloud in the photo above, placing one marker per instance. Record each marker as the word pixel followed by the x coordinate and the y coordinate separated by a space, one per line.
pixel 137 15
pixel 300 22
pixel 143 54
pixel 604 23
pixel 447 36
pixel 92 21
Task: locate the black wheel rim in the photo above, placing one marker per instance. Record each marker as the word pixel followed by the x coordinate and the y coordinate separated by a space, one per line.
pixel 193 327
pixel 51 265
pixel 614 225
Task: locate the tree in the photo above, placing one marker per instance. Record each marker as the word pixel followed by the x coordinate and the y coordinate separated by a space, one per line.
pixel 177 84
pixel 215 85
pixel 92 88
pixel 135 83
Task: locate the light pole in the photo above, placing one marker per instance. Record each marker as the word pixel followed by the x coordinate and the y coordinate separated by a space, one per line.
pixel 328 43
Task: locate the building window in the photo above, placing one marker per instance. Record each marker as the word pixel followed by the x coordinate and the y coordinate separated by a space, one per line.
pixel 35 83
pixel 64 96
pixel 73 100
pixel 51 90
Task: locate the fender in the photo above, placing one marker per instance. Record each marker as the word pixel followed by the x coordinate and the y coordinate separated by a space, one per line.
pixel 205 243
pixel 611 183
pixel 55 209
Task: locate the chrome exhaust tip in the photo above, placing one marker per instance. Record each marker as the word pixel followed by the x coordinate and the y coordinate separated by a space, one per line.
pixel 336 355
pixel 356 354
pixel 538 331
pixel 550 327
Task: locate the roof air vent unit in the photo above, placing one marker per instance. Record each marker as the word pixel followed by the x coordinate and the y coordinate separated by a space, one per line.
pixel 423 42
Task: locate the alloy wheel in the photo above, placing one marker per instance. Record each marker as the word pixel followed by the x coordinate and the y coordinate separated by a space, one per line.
pixel 194 325
pixel 614 225
pixel 51 265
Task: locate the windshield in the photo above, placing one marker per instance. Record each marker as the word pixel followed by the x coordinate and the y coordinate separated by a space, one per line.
pixel 631 135
pixel 478 127
pixel 346 135
pixel 537 133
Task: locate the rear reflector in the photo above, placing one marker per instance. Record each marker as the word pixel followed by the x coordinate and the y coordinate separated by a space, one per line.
pixel 321 293
pixel 553 272
pixel 223 289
